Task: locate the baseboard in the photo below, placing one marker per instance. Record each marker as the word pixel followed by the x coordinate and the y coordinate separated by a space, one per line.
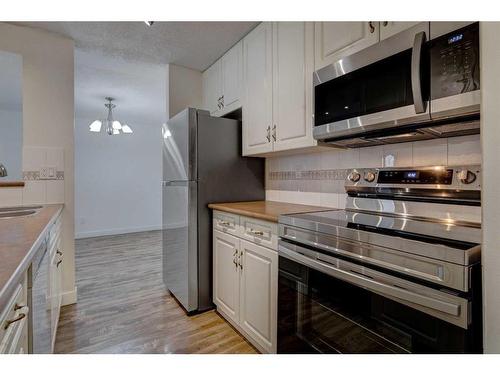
pixel 69 298
pixel 110 232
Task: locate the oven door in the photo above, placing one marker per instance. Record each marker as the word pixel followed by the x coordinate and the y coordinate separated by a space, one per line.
pixel 383 86
pixel 328 305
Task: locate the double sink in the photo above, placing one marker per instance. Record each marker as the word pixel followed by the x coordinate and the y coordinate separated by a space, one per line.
pixel 10 212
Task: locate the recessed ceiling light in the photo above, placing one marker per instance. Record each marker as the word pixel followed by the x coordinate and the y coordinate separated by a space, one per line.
pixel 149 23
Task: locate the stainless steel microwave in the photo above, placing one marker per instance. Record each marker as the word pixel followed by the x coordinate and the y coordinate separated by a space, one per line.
pixel 419 84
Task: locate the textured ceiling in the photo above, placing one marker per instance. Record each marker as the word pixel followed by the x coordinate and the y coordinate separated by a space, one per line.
pixel 138 88
pixel 195 45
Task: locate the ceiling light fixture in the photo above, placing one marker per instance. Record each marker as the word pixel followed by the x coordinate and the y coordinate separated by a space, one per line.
pixel 111 126
pixel 149 23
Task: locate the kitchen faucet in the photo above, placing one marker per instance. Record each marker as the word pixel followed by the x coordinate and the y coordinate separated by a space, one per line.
pixel 3 171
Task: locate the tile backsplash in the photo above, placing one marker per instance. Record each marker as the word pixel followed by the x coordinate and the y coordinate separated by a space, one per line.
pixel 318 178
pixel 37 190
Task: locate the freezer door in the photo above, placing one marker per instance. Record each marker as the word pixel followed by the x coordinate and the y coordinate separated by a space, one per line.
pixel 179 147
pixel 180 243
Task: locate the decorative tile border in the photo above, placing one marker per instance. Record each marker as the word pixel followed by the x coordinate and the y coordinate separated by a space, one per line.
pixel 321 174
pixel 35 176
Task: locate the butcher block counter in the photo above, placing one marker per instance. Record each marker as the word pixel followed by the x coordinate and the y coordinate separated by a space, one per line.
pixel 265 210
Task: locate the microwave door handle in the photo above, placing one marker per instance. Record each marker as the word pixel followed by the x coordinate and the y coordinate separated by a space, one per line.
pixel 416 81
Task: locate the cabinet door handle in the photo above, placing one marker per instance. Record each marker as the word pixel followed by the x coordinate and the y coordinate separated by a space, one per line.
pixel 274 132
pixel 385 23
pixel 372 27
pixel 58 252
pixel 18 307
pixel 16 319
pixel 58 263
pixel 240 258
pixel 268 136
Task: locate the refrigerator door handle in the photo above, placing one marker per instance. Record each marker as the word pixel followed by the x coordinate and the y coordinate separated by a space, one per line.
pixel 175 183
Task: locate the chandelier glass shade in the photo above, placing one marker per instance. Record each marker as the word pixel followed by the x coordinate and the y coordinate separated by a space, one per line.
pixel 110 125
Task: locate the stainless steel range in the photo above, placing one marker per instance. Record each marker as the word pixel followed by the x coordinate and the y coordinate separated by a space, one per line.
pixel 397 271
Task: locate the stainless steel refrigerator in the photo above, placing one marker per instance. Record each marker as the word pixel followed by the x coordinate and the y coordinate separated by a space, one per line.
pixel 202 163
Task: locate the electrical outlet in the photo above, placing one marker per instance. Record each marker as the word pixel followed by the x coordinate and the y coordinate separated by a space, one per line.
pixel 44 172
pixel 51 173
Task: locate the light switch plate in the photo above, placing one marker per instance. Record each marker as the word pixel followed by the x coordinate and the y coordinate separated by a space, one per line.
pixel 48 173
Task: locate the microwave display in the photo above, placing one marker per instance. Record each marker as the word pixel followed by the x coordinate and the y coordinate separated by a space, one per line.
pixel 455 62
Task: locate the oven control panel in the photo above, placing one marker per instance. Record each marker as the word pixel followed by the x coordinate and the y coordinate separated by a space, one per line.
pixel 439 177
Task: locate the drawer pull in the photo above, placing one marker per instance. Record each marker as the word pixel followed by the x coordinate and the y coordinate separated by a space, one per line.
pixel 58 263
pixel 16 319
pixel 256 232
pixel 224 223
pixel 18 306
pixel 58 252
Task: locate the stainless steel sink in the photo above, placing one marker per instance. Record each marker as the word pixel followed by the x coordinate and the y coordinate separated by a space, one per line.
pixel 19 208
pixel 4 215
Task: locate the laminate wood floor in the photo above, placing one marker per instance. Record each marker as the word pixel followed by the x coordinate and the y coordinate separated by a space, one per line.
pixel 123 306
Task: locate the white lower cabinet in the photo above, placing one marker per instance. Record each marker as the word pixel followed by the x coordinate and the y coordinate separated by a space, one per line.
pixel 258 294
pixel 245 283
pixel 226 275
pixel 14 323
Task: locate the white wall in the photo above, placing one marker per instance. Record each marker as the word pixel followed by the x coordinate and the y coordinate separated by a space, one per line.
pixel 490 139
pixel 48 120
pixel 11 143
pixel 184 89
pixel 118 180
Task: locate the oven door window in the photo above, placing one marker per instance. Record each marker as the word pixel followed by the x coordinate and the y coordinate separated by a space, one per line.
pixel 318 313
pixel 381 86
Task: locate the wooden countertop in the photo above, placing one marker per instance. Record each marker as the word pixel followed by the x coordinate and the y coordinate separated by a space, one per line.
pixel 265 210
pixel 19 240
pixel 11 184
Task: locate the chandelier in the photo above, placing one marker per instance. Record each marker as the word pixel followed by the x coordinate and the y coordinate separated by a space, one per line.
pixel 111 126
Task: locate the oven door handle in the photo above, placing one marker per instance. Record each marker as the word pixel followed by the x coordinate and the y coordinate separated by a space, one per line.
pixel 416 79
pixel 362 276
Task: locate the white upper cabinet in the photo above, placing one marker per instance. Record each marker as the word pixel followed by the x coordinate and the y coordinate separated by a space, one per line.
pixel 232 76
pixel 257 93
pixel 222 82
pixel 293 66
pixel 334 40
pixel 390 28
pixel 212 88
pixel 277 77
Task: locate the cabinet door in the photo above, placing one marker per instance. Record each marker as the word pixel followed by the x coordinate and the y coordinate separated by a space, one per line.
pixel 257 96
pixel 258 293
pixel 226 286
pixel 212 88
pixel 232 76
pixel 293 64
pixel 390 28
pixel 334 40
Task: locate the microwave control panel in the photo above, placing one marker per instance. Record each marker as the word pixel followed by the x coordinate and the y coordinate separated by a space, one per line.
pixel 455 62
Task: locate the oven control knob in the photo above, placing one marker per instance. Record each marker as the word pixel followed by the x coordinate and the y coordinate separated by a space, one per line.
pixel 466 177
pixel 354 176
pixel 369 176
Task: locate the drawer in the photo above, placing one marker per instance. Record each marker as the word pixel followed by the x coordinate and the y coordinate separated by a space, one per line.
pixel 261 232
pixel 13 322
pixel 226 222
pixel 55 231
